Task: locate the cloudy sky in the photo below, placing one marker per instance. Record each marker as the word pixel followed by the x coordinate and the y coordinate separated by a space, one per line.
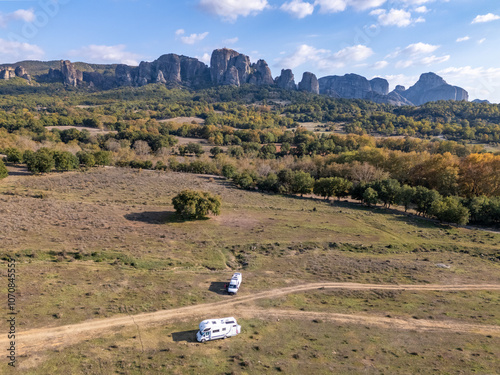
pixel 394 39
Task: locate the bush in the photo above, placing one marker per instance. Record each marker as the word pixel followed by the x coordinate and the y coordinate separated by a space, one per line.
pixel 102 157
pixel 65 161
pixel 41 161
pixel 86 158
pixel 3 170
pixel 14 155
pixel 192 204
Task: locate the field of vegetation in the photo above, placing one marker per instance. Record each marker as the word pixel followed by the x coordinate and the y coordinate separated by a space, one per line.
pixel 106 243
pixel 347 219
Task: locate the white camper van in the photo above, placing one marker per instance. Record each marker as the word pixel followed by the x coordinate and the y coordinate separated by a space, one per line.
pixel 234 284
pixel 213 329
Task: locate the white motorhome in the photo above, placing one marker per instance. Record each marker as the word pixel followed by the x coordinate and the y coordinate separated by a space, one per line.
pixel 213 329
pixel 235 283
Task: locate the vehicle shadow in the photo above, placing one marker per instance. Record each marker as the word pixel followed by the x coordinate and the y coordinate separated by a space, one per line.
pixel 188 336
pixel 218 287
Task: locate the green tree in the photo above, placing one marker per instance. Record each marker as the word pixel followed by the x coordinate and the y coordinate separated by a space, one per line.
pixel 302 183
pixel 65 161
pixel 194 148
pixel 216 151
pixel 14 155
pixel 41 161
pixel 3 170
pixel 85 158
pixel 450 210
pixel 228 170
pixel 387 191
pixel 191 204
pixel 370 196
pixel 405 196
pixel 102 157
pixel 424 198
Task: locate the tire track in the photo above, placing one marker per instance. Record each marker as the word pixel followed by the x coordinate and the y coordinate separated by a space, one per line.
pixel 55 337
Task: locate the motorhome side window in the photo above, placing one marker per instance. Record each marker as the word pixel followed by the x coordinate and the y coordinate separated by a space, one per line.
pixel 215 331
pixel 206 329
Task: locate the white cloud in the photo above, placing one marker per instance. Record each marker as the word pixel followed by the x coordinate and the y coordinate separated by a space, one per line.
pixel 418 54
pixel 481 41
pixel 230 41
pixel 380 65
pixel 194 38
pixel 480 82
pixel 230 10
pixel 16 51
pixel 180 32
pixel 325 60
pixel 463 39
pixel 205 58
pixel 395 17
pixel 298 8
pixel 106 54
pixel 422 9
pixel 486 18
pixel 334 6
pixel 26 15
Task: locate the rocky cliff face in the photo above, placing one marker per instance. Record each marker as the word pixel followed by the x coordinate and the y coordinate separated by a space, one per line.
pixel 309 83
pixel 286 80
pixel 351 86
pixel 71 76
pixel 431 87
pixel 228 67
pixel 18 71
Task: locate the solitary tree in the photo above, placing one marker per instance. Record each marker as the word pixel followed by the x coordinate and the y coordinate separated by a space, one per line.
pixel 192 204
pixel 41 161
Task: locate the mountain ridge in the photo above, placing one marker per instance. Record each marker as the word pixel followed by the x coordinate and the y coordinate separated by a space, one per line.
pixel 229 67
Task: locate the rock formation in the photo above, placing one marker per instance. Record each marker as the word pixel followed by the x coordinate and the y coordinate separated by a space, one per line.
pixel 71 76
pixel 7 73
pixel 286 80
pixel 309 83
pixel 431 87
pixel 228 67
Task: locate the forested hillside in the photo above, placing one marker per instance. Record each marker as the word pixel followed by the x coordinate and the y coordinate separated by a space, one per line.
pixel 438 159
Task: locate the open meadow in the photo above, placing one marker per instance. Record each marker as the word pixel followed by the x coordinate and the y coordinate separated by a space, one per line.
pixel 111 281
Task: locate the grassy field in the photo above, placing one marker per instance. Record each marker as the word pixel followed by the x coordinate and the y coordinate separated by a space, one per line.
pixel 106 242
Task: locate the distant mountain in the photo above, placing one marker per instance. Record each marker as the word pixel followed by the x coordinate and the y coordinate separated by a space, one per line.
pixel 229 67
pixel 479 101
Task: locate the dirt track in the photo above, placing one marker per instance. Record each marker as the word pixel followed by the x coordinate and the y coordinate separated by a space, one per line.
pixel 48 338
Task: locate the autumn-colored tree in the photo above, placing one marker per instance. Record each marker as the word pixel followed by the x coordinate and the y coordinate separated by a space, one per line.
pixel 480 175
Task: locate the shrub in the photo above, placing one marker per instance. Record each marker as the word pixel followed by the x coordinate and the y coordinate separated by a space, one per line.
pixel 3 170
pixel 192 204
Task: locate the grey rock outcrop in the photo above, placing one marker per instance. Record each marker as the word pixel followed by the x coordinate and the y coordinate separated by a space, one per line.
pixel 22 73
pixel 71 75
pixel 480 101
pixel 350 86
pixel 228 67
pixel 379 85
pixel 220 64
pixel 431 87
pixel 286 80
pixel 309 83
pixel 7 73
pixel 123 75
pixel 261 74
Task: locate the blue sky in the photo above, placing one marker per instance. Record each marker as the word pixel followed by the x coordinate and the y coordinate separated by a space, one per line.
pixel 394 39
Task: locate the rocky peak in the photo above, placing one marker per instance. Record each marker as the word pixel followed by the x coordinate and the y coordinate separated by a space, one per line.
pixel 379 85
pixel 286 80
pixel 219 64
pixel 261 74
pixel 7 73
pixel 71 76
pixel 309 83
pixel 431 87
pixel 350 86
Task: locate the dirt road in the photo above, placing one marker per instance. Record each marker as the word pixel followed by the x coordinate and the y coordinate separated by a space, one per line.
pixel 49 338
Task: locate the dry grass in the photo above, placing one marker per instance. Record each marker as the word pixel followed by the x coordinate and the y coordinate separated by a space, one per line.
pixel 107 242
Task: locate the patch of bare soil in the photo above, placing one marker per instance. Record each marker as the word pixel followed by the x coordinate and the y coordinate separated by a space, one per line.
pixel 183 120
pixel 91 130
